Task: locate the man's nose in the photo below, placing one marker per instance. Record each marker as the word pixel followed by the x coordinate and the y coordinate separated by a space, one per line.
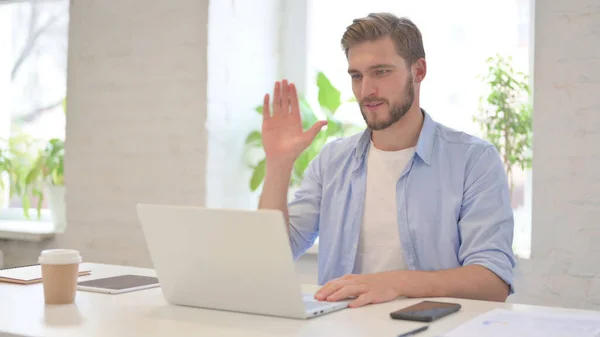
pixel 368 88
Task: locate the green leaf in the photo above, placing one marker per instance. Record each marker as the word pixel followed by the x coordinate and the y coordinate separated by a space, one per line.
pixel 258 175
pixel 26 204
pixel 40 198
pixel 307 114
pixel 318 142
pixel 334 128
pixel 254 139
pixel 329 96
pixel 309 154
pixel 301 164
pixel 259 109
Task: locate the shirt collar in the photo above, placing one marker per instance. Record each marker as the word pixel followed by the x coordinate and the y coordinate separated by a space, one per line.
pixel 424 145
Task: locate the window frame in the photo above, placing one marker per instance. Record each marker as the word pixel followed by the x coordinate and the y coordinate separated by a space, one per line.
pixel 15 214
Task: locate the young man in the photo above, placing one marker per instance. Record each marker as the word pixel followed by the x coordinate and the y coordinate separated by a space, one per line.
pixel 407 208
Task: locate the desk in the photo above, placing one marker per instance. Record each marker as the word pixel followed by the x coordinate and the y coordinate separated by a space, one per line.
pixel 146 313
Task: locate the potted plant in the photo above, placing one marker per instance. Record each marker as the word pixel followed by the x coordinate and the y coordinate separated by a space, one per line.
pixel 330 100
pixel 505 114
pixel 47 174
pixel 16 157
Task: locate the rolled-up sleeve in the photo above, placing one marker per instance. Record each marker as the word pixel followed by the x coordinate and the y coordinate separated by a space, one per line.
pixel 304 209
pixel 486 223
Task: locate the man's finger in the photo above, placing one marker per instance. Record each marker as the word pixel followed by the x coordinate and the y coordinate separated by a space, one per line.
pixel 266 109
pixel 277 99
pixel 329 288
pixel 314 130
pixel 352 290
pixel 363 299
pixel 285 98
pixel 295 109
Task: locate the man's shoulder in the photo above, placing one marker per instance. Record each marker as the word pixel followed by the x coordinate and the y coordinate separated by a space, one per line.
pixel 465 148
pixel 449 136
pixel 452 142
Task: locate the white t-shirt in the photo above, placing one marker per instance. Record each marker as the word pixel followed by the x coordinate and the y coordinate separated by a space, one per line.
pixel 379 247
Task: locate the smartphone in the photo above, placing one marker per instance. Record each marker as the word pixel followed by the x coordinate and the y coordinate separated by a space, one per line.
pixel 426 311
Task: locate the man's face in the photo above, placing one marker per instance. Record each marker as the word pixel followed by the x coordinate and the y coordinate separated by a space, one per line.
pixel 381 81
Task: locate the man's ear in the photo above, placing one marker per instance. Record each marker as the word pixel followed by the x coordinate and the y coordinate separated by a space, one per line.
pixel 419 69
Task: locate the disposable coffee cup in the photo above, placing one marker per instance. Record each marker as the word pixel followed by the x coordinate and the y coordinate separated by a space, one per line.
pixel 60 269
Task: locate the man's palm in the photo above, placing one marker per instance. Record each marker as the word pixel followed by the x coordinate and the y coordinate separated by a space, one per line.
pixel 282 133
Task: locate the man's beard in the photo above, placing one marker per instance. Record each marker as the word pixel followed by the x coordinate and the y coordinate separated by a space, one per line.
pixel 397 111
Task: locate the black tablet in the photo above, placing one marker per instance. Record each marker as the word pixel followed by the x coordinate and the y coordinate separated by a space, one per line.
pixel 119 284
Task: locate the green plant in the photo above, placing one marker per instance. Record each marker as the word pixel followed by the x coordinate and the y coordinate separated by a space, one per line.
pixel 16 157
pixel 47 169
pixel 31 166
pixel 505 114
pixel 330 100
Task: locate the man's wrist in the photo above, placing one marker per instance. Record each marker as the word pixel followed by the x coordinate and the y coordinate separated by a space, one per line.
pixel 399 282
pixel 412 283
pixel 279 170
pixel 279 167
pixel 278 174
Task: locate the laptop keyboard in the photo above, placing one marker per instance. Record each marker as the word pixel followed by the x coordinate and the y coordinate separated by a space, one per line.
pixel 311 305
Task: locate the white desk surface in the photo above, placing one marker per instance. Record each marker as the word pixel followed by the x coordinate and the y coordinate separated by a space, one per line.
pixel 146 313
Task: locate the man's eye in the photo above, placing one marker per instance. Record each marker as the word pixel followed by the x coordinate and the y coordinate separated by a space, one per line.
pixel 381 72
pixel 356 76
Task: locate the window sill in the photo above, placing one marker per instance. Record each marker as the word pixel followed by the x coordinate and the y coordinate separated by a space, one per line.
pixel 23 230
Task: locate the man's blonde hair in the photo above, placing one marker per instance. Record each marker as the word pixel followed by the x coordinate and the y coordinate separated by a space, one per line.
pixel 404 33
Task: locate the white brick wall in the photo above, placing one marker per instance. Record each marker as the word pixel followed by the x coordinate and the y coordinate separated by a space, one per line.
pixel 564 268
pixel 136 125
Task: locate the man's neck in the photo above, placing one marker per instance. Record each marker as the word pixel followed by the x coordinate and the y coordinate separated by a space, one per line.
pixel 401 135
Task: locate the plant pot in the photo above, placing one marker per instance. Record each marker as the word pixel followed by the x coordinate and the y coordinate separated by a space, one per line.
pixel 56 200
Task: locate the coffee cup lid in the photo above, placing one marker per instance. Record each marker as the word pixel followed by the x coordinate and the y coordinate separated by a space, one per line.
pixel 59 256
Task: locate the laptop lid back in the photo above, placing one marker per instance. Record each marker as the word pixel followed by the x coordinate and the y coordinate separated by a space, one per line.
pixel 236 260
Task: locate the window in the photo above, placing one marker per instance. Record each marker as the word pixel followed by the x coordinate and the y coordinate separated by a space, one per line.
pixel 458 36
pixel 33 63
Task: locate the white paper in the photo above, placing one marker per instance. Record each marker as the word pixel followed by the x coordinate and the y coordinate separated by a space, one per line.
pixel 26 273
pixel 503 323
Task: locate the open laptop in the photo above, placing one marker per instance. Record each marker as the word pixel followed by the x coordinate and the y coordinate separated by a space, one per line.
pixel 226 259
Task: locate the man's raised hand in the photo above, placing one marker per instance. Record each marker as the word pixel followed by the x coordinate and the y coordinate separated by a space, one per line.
pixel 282 134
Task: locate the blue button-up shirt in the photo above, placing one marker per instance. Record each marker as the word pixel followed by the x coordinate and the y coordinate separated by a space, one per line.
pixel 452 201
